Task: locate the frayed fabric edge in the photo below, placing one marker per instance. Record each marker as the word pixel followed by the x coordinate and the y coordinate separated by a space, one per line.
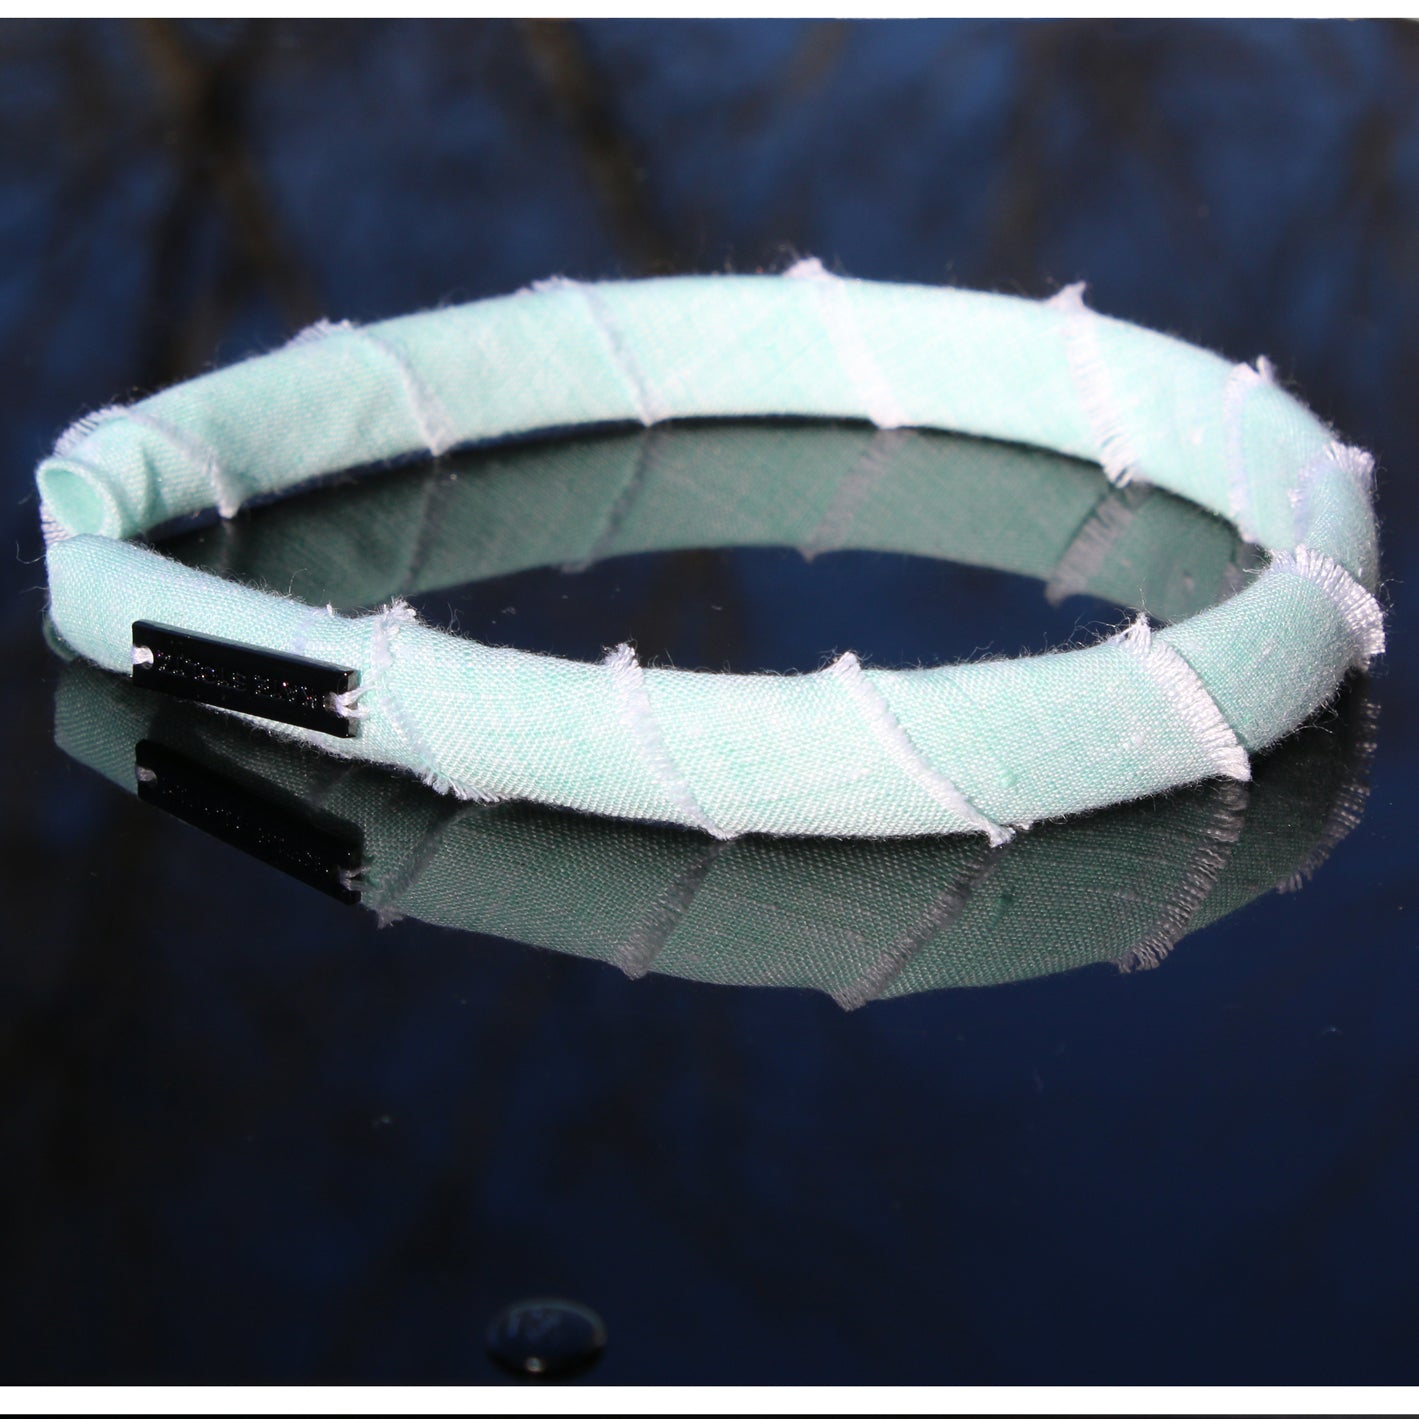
pixel 1361 613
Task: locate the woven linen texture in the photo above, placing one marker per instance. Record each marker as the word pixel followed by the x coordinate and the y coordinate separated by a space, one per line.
pixel 982 747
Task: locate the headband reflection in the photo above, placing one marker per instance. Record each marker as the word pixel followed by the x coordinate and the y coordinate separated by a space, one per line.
pixel 857 919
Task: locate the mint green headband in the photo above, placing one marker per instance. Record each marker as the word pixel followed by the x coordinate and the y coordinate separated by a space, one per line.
pixel 847 750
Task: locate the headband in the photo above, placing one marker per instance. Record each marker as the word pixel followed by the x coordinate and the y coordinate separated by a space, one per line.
pixel 847 750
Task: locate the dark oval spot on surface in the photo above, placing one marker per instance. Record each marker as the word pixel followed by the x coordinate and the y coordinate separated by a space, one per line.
pixel 546 1339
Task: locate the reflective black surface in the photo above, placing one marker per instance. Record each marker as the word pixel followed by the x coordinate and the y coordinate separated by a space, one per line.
pixel 254 1133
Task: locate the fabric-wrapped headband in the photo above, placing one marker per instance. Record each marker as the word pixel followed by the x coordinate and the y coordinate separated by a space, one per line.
pixel 847 750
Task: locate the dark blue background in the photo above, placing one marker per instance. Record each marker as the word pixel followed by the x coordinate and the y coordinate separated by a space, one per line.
pixel 247 1136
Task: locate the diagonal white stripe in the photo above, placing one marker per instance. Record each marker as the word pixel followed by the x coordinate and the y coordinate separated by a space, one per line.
pixel 1362 614
pixel 436 426
pixel 202 457
pixel 1189 697
pixel 846 338
pixel 638 715
pixel 651 406
pixel 887 730
pixel 1093 385
pixel 1240 383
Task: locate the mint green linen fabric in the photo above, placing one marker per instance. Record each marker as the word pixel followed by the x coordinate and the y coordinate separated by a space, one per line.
pixel 849 750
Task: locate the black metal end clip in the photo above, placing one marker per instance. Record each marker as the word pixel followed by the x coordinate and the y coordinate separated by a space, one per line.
pixel 285 688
